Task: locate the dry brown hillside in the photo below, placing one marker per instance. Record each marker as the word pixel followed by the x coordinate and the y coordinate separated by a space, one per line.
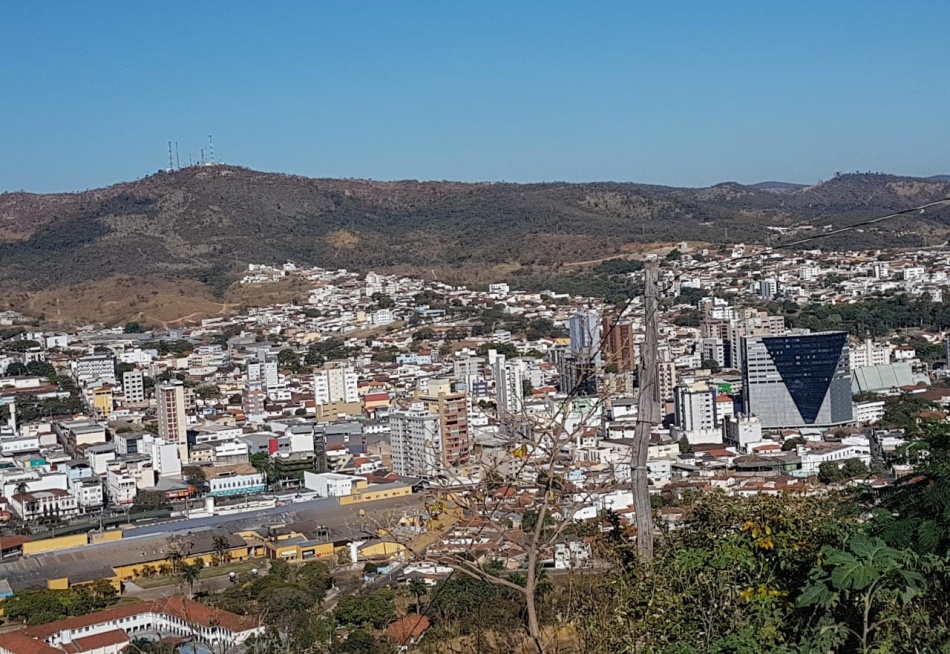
pixel 187 234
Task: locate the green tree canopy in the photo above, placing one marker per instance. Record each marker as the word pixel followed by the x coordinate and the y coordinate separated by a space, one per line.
pixel 375 610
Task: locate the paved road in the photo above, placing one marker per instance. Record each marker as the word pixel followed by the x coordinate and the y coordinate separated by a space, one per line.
pixel 325 511
pixel 209 585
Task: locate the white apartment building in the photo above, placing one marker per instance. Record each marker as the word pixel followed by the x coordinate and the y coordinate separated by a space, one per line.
pixel 742 431
pixel 120 486
pixel 509 388
pixel 253 401
pixel 36 505
pixel 94 366
pixel 230 452
pixel 11 445
pixel 138 356
pixel 34 481
pixel 164 455
pixel 241 479
pixel 255 371
pixel 212 433
pixel 808 273
pixel 812 459
pixel 751 322
pixel 869 354
pixel 172 420
pixel 88 493
pixel 416 440
pixel 696 416
pixel 382 317
pixel 468 368
pixel 331 484
pixel 133 386
pixel 335 383
pixel 914 274
pixel 271 370
pixel 867 413
pixel 714 349
pixel 100 456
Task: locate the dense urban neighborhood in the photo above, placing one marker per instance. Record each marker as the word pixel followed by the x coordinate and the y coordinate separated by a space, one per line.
pixel 385 437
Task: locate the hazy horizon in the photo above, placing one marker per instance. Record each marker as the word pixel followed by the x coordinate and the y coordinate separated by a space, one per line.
pixel 473 181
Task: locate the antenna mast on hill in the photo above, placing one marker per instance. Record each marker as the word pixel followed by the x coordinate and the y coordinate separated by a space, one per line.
pixel 177 160
pixel 202 156
pixel 171 162
pixel 210 149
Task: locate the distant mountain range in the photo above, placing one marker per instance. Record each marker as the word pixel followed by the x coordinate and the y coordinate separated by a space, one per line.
pixel 204 224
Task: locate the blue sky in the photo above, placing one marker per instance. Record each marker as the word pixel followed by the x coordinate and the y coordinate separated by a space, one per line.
pixel 677 92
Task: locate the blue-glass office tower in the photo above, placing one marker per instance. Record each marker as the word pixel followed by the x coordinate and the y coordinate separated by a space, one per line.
pixel 797 380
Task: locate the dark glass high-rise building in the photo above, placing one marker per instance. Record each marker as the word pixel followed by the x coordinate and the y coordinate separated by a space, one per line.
pixel 797 380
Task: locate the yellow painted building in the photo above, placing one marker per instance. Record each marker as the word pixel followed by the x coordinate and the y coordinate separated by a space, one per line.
pixel 329 412
pixel 383 549
pixel 128 572
pixel 363 493
pixel 105 536
pixel 102 400
pixel 69 542
pixel 298 549
pixel 54 544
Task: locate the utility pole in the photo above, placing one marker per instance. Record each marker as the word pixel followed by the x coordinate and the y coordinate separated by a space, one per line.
pixel 648 415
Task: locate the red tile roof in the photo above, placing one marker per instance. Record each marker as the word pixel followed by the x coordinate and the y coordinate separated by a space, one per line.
pixel 187 610
pixel 97 641
pixel 9 542
pixel 407 630
pixel 18 643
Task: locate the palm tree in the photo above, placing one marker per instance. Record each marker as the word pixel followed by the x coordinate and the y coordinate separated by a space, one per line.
pixel 190 573
pixel 21 489
pixel 174 558
pixel 178 549
pixel 221 550
pixel 418 589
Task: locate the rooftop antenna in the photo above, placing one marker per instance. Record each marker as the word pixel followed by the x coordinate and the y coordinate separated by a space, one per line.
pixel 177 160
pixel 210 149
pixel 171 162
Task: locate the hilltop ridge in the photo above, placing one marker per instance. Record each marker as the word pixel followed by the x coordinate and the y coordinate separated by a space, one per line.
pixel 204 224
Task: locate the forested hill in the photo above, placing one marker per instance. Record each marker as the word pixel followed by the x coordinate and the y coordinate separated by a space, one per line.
pixel 205 223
